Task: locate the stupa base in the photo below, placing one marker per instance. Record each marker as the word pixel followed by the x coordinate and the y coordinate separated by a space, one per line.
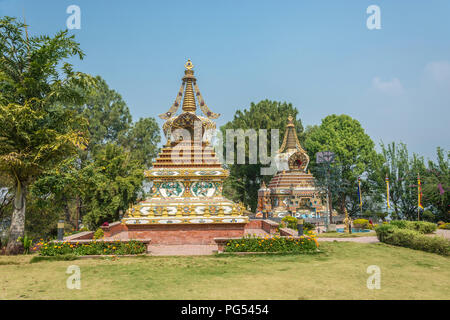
pixel 171 234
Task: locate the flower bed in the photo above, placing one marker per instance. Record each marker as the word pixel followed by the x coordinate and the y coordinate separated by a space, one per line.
pixel 445 226
pixel 92 248
pixel 302 244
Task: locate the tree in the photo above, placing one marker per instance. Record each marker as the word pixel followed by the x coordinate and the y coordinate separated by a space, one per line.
pixel 245 179
pixel 37 133
pixel 355 156
pixel 6 197
pixel 111 183
pixel 436 186
pixel 142 140
pixel 110 122
pixel 402 171
pixel 107 113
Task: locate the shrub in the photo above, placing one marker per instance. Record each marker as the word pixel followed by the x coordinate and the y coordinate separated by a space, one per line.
pixel 399 224
pixel 26 243
pixel 420 226
pixel 361 223
pixel 427 215
pixel 308 226
pixel 303 244
pixel 382 215
pixel 412 239
pixel 99 234
pixel 384 231
pixel 92 248
pixel 290 221
pixel 444 226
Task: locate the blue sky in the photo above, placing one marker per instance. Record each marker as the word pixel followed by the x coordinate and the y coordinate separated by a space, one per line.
pixel 318 55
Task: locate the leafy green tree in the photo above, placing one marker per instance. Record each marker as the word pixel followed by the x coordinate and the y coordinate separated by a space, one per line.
pixel 245 179
pixel 402 170
pixel 111 182
pixel 36 132
pixel 58 191
pixel 142 140
pixel 436 186
pixel 107 113
pixel 355 156
pixel 110 122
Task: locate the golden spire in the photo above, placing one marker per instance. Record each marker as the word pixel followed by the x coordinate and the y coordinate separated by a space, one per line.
pixel 189 98
pixel 290 140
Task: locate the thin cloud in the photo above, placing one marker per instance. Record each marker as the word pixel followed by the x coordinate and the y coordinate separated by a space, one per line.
pixel 439 72
pixel 392 87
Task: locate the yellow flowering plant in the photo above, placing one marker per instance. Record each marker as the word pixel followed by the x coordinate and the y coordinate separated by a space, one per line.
pixel 253 243
pixel 92 248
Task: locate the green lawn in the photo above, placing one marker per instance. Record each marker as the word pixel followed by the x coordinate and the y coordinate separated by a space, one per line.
pixel 338 273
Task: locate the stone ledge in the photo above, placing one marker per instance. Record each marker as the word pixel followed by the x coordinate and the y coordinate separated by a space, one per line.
pixel 84 235
pixel 288 232
pixel 113 224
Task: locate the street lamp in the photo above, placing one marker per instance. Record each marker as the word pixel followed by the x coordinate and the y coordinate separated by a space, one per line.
pixel 60 230
pixel 300 227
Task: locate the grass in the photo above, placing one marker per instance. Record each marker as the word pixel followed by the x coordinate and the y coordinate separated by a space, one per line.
pixel 333 234
pixel 340 272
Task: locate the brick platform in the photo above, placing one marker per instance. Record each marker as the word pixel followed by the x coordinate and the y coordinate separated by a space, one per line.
pixel 186 234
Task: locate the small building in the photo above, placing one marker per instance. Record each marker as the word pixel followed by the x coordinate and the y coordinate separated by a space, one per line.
pixel 292 191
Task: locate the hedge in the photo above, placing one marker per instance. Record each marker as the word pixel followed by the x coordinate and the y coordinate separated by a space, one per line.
pixel 412 239
pixel 420 226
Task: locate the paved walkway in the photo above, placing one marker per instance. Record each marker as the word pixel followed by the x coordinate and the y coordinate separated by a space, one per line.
pixel 356 239
pixel 181 250
pixel 444 233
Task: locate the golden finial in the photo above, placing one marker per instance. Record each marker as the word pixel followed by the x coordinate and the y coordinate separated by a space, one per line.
pixel 189 65
pixel 290 122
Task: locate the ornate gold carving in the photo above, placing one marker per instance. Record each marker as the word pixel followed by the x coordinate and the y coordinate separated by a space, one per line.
pixel 188 65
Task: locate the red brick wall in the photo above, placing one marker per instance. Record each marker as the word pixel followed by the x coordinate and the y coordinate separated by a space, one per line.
pixel 185 233
pixel 113 228
pixel 254 224
pixel 269 226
